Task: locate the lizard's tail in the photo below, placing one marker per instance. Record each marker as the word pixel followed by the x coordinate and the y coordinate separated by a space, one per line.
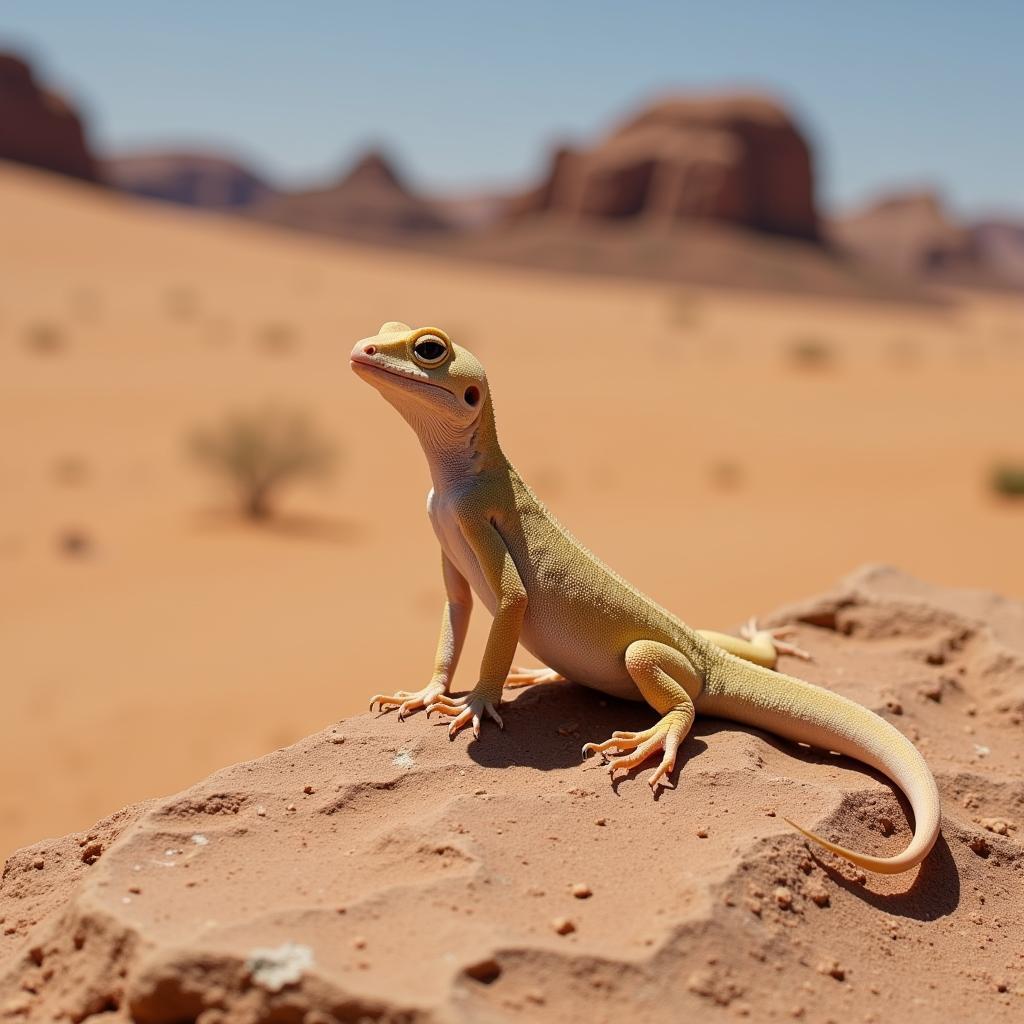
pixel 800 711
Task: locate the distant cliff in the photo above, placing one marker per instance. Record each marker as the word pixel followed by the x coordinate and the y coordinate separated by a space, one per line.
pixel 38 127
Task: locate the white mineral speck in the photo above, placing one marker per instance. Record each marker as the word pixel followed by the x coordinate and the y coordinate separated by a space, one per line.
pixel 200 840
pixel 283 965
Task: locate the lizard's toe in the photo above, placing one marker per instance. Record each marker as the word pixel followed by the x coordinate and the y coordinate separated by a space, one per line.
pixel 407 700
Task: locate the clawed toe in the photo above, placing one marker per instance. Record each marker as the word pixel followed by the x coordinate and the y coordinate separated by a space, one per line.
pixel 750 630
pixel 463 711
pixel 406 700
pixel 626 750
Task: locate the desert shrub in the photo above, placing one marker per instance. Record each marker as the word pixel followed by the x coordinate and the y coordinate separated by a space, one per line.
pixel 1008 479
pixel 44 338
pixel 259 452
pixel 811 353
pixel 276 338
pixel 181 302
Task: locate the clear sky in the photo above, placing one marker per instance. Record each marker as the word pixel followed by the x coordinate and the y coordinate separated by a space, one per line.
pixel 473 94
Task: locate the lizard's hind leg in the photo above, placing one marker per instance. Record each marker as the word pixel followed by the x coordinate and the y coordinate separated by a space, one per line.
pixel 668 682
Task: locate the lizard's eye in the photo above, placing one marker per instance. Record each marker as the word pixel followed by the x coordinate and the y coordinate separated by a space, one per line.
pixel 430 350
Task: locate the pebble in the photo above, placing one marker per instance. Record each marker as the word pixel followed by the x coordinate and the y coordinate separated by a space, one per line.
pixel 308 790
pixel 601 821
pixel 359 942
pixel 783 897
pixel 832 969
pixel 819 897
pixel 563 925
pixel 702 831
pixel 582 891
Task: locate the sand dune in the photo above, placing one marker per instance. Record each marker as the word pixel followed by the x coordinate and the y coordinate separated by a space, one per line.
pixel 725 451
pixel 374 871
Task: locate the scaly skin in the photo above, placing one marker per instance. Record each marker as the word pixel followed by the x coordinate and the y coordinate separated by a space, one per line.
pixel 577 616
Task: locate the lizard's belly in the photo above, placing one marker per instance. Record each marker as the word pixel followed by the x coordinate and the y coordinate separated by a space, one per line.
pixel 550 631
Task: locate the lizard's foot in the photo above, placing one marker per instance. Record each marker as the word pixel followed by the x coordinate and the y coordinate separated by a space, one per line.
pixel 518 676
pixel 406 700
pixel 633 748
pixel 463 710
pixel 776 637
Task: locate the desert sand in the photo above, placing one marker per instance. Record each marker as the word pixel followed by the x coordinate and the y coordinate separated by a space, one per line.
pixel 726 451
pixel 375 871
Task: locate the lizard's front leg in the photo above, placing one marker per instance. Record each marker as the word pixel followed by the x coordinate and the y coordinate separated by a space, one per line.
pixel 503 578
pixel 454 623
pixel 669 683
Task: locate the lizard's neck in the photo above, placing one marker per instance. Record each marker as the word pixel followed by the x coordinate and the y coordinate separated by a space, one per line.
pixel 458 454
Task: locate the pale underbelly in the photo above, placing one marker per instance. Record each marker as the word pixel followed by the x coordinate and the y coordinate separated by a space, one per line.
pixel 546 634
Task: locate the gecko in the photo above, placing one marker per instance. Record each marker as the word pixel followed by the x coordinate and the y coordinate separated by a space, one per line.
pixel 583 621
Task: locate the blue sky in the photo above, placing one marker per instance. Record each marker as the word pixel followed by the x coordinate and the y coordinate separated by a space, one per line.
pixel 473 94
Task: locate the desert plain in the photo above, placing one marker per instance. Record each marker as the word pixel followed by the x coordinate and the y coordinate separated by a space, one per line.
pixel 727 450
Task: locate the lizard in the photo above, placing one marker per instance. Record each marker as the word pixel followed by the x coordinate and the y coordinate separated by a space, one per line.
pixel 581 619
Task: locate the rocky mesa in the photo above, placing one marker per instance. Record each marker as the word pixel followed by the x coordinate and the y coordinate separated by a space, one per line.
pixel 374 871
pixel 40 128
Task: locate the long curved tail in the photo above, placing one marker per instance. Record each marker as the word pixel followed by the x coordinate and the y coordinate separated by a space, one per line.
pixel 801 711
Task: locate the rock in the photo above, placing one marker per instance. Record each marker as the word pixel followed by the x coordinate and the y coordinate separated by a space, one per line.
pixel 908 233
pixel 737 159
pixel 393 893
pixel 38 127
pixel 205 180
pixel 370 201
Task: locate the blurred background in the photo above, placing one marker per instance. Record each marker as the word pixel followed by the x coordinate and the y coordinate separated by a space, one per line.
pixel 747 280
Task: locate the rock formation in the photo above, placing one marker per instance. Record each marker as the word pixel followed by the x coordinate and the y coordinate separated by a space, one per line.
pixel 191 179
pixel 909 233
pixel 376 872
pixel 38 127
pixel 735 159
pixel 371 201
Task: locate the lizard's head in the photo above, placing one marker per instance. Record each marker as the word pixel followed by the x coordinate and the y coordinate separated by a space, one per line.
pixel 430 380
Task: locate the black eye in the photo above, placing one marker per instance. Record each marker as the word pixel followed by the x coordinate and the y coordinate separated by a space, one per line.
pixel 430 350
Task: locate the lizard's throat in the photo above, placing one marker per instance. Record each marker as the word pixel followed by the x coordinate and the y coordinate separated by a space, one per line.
pixel 456 453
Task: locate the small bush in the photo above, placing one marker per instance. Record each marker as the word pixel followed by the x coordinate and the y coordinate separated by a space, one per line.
pixel 811 353
pixel 276 338
pixel 259 452
pixel 181 303
pixel 1008 479
pixel 44 338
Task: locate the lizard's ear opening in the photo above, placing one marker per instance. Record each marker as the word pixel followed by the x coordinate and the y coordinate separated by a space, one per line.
pixel 472 395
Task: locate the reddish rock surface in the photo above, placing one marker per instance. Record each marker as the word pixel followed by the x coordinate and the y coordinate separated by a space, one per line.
pixel 375 871
pixel 909 233
pixel 736 159
pixel 38 127
pixel 191 179
pixel 370 201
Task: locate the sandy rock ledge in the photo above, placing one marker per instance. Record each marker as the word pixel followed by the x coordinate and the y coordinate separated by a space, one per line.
pixel 375 872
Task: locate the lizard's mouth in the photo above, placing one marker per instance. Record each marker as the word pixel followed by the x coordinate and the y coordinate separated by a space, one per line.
pixel 358 363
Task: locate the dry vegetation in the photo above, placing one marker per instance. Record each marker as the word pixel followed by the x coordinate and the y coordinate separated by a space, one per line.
pixel 258 453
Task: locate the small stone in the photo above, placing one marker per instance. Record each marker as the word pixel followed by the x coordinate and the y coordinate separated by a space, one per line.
pixel 980 845
pixel 308 790
pixel 886 826
pixel 783 897
pixel 832 969
pixel 359 942
pixel 39 864
pixel 563 925
pixel 997 825
pixel 582 891
pixel 290 807
pixel 261 811
pixel 893 706
pixel 601 821
pixel 932 691
pixel 818 896
pixel 702 832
